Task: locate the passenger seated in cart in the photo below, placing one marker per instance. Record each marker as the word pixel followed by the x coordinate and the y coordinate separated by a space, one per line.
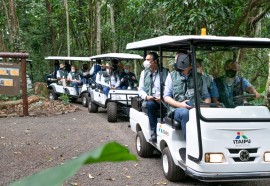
pixel 99 76
pixel 84 73
pixel 231 85
pixel 128 79
pixel 61 75
pixel 108 81
pixel 94 70
pixel 74 78
pixel 149 90
pixel 116 64
pixel 179 90
pixel 208 80
pixel 54 73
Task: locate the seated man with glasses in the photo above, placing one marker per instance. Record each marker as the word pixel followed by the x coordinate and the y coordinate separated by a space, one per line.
pixel 149 90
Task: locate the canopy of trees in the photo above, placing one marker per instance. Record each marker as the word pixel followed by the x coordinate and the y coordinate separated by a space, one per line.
pixel 100 26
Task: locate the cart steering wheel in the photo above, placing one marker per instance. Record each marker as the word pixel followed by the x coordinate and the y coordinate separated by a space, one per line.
pixel 242 99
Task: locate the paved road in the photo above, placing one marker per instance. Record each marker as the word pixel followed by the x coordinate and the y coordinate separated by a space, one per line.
pixel 30 144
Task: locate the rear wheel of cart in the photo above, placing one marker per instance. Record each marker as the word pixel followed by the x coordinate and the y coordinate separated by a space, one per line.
pixel 92 107
pixel 144 149
pixel 112 112
pixel 85 99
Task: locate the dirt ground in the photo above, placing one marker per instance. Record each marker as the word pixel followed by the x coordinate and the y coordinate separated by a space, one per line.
pixel 31 144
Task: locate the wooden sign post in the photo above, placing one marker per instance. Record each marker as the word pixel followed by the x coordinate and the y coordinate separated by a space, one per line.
pixel 11 73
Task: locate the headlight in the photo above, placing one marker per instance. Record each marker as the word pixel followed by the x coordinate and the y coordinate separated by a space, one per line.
pixel 267 156
pixel 214 158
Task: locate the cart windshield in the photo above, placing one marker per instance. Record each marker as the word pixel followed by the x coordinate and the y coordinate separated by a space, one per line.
pixel 237 81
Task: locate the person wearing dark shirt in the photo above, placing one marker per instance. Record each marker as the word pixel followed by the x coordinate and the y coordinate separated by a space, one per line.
pixel 128 79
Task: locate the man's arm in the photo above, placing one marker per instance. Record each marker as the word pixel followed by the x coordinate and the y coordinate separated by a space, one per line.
pixel 92 69
pixel 117 82
pixel 248 88
pixel 58 75
pixel 252 90
pixel 141 91
pixel 204 92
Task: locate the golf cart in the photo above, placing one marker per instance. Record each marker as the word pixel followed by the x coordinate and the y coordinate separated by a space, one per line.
pixel 222 144
pixel 118 101
pixel 55 89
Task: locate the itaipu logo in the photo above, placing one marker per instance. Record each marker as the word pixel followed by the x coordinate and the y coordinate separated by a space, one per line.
pixel 163 131
pixel 241 138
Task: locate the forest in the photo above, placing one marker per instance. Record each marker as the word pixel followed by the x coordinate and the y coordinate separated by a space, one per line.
pixel 90 27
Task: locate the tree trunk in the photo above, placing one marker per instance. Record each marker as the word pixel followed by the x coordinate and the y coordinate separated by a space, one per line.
pixel 52 30
pixel 14 25
pixel 3 47
pixel 98 28
pixel 7 22
pixel 67 19
pixel 113 29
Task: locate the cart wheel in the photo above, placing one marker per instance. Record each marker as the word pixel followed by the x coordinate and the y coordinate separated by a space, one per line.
pixel 92 107
pixel 85 99
pixel 112 112
pixel 52 95
pixel 170 170
pixel 144 149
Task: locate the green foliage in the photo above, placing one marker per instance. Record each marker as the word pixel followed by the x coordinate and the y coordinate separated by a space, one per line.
pixel 43 32
pixel 56 176
pixel 9 98
pixel 64 98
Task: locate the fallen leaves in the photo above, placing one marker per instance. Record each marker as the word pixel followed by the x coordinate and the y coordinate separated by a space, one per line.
pixel 161 183
pixel 38 106
pixel 129 177
pixel 90 176
pixel 110 179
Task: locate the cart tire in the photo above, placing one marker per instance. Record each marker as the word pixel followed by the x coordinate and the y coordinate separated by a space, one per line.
pixel 112 112
pixel 92 107
pixel 85 99
pixel 171 171
pixel 52 95
pixel 143 148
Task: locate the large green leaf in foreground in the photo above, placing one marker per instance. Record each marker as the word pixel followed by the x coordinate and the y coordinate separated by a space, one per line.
pixel 55 176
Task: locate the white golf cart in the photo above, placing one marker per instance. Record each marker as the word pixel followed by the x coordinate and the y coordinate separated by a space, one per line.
pixel 117 100
pixel 55 89
pixel 222 144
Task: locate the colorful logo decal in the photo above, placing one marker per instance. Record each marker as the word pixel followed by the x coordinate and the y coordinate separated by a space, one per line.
pixel 163 131
pixel 240 134
pixel 241 139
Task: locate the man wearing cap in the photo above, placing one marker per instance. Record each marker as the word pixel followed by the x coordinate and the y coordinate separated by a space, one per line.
pixel 179 90
pixel 61 75
pixel 232 85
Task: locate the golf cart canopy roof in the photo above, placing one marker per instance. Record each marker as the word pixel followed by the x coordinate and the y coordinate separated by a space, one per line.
pixel 174 43
pixel 65 58
pixel 123 56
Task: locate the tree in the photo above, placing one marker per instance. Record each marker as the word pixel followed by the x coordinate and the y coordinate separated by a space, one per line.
pixel 67 21
pixel 98 28
pixel 113 28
